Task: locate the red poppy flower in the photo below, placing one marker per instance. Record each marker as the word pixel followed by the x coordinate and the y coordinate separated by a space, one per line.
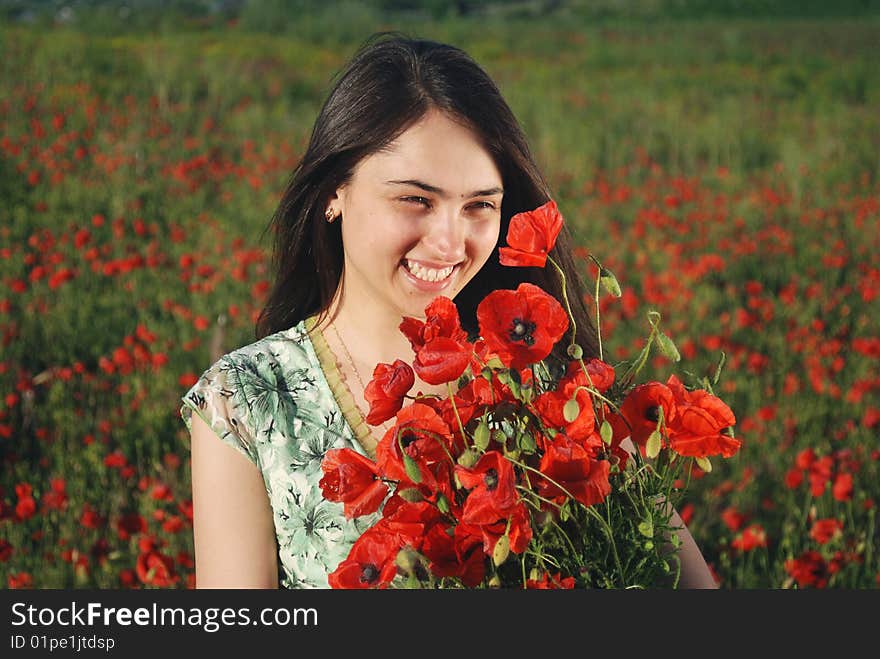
pixel 440 344
pixel 550 406
pixel 805 458
pixel 492 485
pixel 442 360
pixel 842 490
pixel 370 563
pixel 521 326
pixel 18 580
pixel 641 409
pixel 531 236
pixel 386 391
pixel 570 469
pixel 548 582
pixel 154 568
pixel 695 431
pixel 473 398
pixel 824 530
pixel 820 474
pixel 732 518
pixel 26 507
pixel 6 551
pixel 129 525
pixel 423 436
pixel 353 479
pixel 808 569
pixel 454 554
pixel 56 498
pixel 752 537
pixel 517 524
pixel 601 374
pixel 441 320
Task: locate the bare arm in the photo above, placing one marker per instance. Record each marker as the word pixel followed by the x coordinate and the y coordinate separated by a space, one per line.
pixel 695 572
pixel 232 520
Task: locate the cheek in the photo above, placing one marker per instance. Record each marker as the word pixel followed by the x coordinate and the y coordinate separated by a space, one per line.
pixel 484 240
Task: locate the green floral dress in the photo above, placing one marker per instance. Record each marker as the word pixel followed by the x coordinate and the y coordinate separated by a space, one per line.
pixel 281 402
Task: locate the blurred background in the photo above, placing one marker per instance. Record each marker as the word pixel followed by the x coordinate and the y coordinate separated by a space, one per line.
pixel 721 157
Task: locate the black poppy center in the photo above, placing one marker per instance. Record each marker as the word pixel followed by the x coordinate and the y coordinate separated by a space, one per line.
pixel 521 330
pixel 652 413
pixel 491 479
pixel 369 573
pixel 408 438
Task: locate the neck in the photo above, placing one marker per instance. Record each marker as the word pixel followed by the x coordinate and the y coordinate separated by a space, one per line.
pixel 370 333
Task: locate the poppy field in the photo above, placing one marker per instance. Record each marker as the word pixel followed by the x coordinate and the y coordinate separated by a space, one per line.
pixel 727 172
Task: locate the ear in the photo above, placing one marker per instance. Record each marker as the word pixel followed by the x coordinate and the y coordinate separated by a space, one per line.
pixel 338 197
pixel 335 205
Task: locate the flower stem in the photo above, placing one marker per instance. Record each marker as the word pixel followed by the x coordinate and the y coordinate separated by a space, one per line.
pixel 567 303
pixel 596 298
pixel 455 409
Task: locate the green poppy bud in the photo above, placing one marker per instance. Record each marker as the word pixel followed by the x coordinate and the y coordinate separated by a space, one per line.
pixel 570 410
pixel 481 436
pixel 652 448
pixel 606 432
pixel 502 550
pixel 667 347
pixel 609 282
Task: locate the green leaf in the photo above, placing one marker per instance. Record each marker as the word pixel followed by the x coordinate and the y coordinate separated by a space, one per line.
pixel 646 528
pixel 704 464
pixel 606 432
pixel 571 410
pixel 652 448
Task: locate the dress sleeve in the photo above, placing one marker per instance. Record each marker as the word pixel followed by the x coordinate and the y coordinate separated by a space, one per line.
pixel 214 398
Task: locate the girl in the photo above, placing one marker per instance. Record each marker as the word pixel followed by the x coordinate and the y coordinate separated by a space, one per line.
pixel 414 168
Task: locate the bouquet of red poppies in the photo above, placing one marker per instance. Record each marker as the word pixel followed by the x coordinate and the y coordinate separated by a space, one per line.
pixel 527 474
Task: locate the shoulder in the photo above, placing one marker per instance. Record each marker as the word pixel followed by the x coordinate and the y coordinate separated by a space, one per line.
pixel 278 359
pixel 256 388
pixel 280 363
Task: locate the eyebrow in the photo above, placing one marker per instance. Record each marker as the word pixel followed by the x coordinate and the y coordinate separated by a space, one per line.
pixel 427 187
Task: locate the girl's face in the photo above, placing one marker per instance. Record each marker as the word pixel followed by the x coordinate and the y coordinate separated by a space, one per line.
pixel 419 218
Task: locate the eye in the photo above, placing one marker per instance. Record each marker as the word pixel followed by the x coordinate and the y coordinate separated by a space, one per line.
pixel 483 205
pixel 422 201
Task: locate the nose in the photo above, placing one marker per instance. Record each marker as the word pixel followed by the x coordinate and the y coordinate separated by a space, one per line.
pixel 445 236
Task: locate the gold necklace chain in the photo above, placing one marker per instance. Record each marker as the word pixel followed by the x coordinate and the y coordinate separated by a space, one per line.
pixel 382 427
pixel 354 367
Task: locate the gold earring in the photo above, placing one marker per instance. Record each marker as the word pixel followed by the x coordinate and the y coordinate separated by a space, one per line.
pixel 329 215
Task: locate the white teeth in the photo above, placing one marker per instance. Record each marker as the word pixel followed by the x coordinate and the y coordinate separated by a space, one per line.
pixel 428 274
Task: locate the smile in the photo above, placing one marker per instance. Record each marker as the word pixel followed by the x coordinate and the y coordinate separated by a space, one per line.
pixel 427 274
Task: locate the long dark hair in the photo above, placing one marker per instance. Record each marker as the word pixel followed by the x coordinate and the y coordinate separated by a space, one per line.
pixel 390 83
